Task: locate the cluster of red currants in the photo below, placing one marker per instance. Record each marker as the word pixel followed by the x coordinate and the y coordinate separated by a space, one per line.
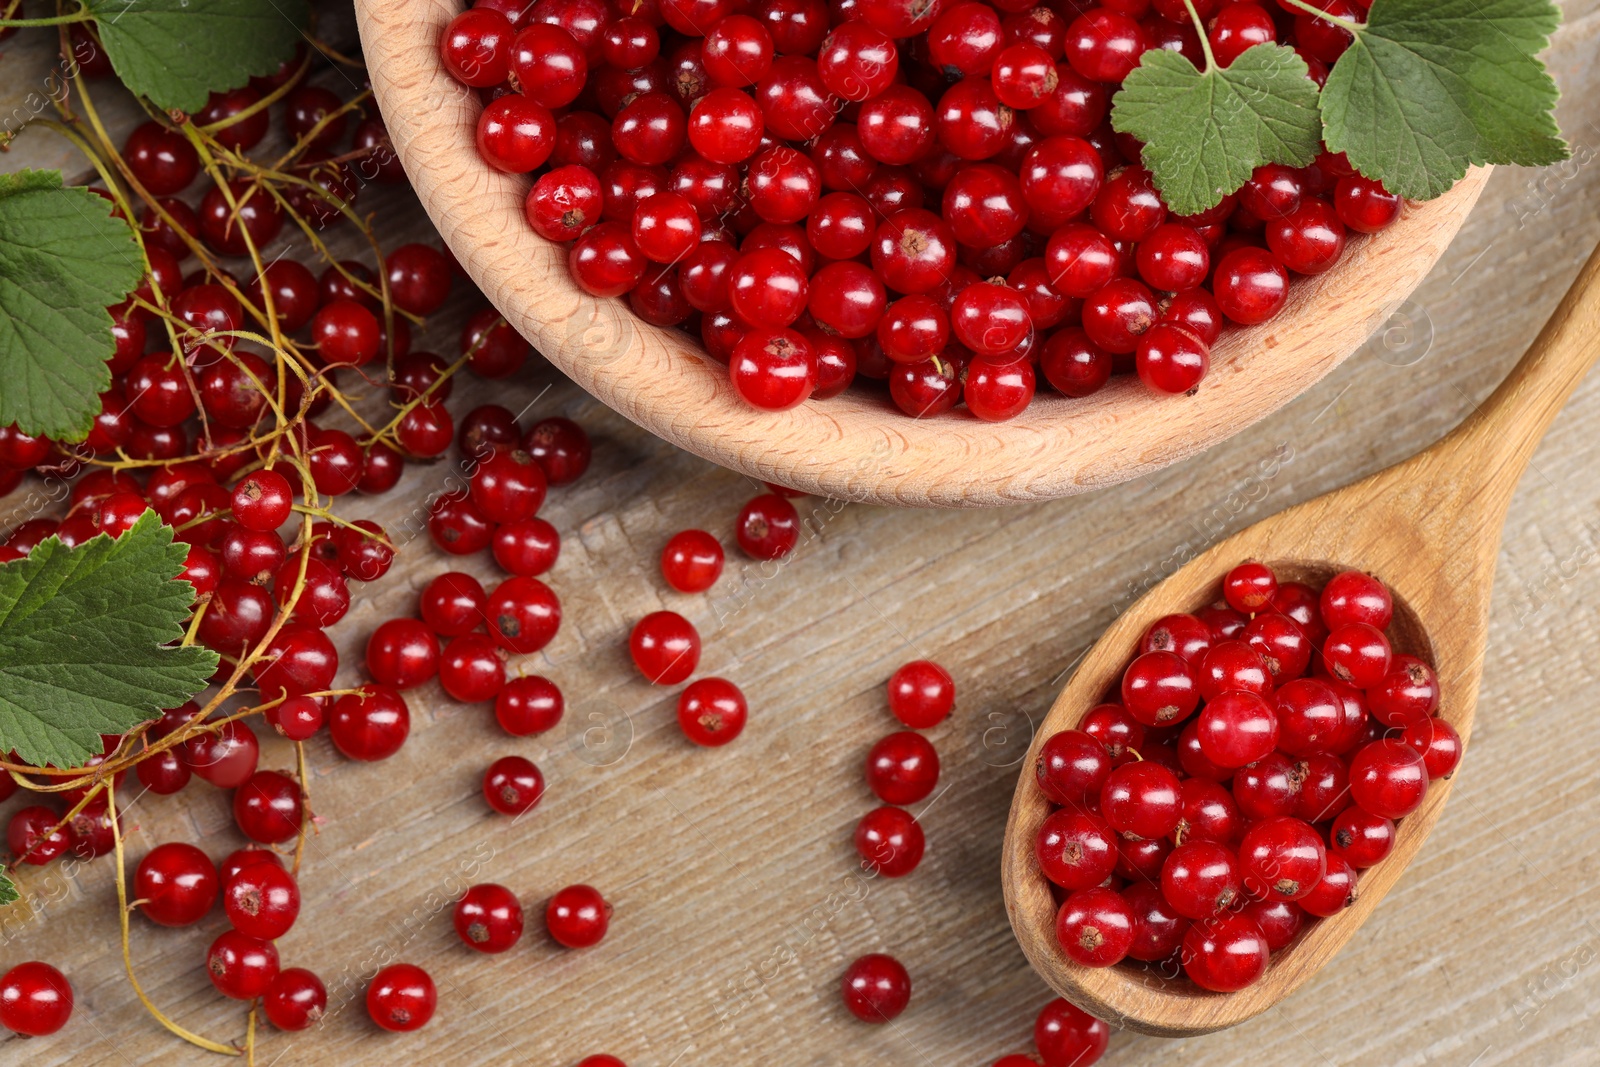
pixel 928 194
pixel 221 443
pixel 176 885
pixel 902 769
pixel 463 634
pixel 665 646
pixel 1204 842
pixel 488 917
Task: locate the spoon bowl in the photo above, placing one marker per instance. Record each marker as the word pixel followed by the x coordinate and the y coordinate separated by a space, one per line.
pixel 858 446
pixel 1429 528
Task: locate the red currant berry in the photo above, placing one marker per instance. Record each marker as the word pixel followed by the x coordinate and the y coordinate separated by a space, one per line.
pixel 665 647
pixel 1279 920
pixel 1310 717
pixel 1183 634
pixel 605 261
pixel 401 997
pixel 371 724
pixel 773 369
pixel 1072 766
pixel 691 561
pixel 1283 858
pixel 513 785
pixel 345 332
pixel 452 604
pixel 296 1000
pixel 995 391
pixel 1324 788
pixel 1237 728
pixel 1142 799
pixel 737 52
pixel 488 918
pixel 578 916
pixel 1157 929
pixel 1068 1036
pixel 176 883
pixel 711 711
pixel 1230 665
pixel 768 527
pixel 921 694
pixel 1336 891
pixel 1209 814
pixel 476 47
pixel 1113 727
pixel 262 901
pixel 1407 694
pixel 267 808
pixel 560 447
pixel 523 615
pixel 889 841
pixel 1438 744
pixel 902 768
pixel 1353 597
pixel 402 653
pixel 471 668
pixel 1365 205
pixel 364 550
pixel 35 999
pixel 1281 644
pixel 1361 838
pixel 1274 191
pixel 1250 285
pixel 516 134
pixel 1310 239
pixel 528 705
pixel 1075 850
pixel 225 756
pixel 1095 927
pixel 1237 28
pixel 1358 654
pixel 508 486
pixel 1201 879
pixel 1388 778
pixel 241 966
pixel 1226 953
pixel 875 988
pixel 1249 587
pixel 1171 359
pixel 549 64
pixel 1159 689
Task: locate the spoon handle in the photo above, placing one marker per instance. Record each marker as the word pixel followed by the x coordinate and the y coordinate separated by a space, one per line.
pixel 1492 446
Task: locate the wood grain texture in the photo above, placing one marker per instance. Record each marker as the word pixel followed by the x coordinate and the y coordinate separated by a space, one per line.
pixel 732 871
pixel 1430 528
pixel 856 446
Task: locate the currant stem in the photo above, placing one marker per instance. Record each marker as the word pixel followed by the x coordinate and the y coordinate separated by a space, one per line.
pixel 127 949
pixel 1200 30
pixel 50 20
pixel 1316 12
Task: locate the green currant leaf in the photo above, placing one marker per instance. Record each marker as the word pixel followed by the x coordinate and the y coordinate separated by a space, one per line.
pixel 63 261
pixel 87 642
pixel 1204 133
pixel 178 52
pixel 8 888
pixel 1430 87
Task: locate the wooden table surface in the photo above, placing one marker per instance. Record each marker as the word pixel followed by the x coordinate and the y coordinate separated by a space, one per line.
pixel 738 901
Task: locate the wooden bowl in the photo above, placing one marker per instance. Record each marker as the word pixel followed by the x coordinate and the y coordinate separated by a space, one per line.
pixel 857 446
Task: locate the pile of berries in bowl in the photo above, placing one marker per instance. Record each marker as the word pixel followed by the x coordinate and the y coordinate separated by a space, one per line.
pixel 927 195
pixel 1255 762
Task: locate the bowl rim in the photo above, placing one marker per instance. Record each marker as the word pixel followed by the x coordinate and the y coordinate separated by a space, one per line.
pixel 857 446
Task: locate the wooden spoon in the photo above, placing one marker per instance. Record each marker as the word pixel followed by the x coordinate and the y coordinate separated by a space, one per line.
pixel 858 446
pixel 1430 528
